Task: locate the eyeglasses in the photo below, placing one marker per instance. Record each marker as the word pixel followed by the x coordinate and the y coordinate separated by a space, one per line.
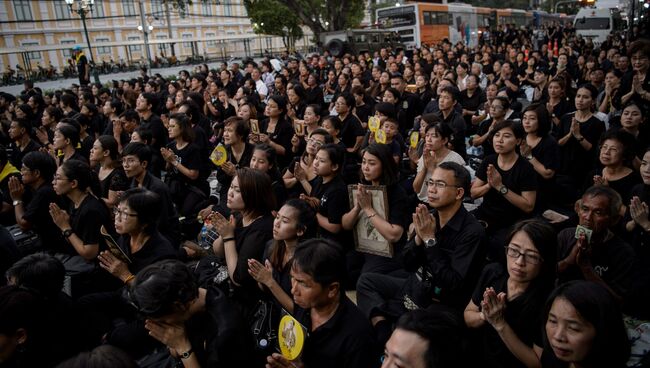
pixel 639 58
pixel 611 149
pixel 528 257
pixel 439 184
pixel 58 178
pixel 130 161
pixel 122 214
pixel 315 142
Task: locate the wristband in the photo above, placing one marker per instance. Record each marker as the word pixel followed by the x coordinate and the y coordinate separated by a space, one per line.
pixel 373 215
pixel 128 279
pixel 228 239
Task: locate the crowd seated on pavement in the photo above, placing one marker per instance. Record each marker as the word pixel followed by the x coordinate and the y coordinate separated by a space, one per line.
pixel 448 206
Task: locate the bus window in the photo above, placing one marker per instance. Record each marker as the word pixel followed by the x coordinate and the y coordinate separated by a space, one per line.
pixel 592 23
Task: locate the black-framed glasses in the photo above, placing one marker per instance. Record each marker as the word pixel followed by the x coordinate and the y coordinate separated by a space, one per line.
pixel 531 258
pixel 122 214
pixel 439 184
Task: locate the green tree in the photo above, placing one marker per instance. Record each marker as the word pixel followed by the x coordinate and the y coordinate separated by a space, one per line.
pixel 319 15
pixel 273 18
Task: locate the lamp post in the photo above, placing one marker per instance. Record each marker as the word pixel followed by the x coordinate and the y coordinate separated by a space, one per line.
pixel 146 32
pixel 84 7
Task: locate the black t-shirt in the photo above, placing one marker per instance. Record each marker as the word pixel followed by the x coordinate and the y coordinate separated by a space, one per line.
pixel 576 161
pixel 547 152
pixel 613 260
pixel 334 203
pixel 363 112
pixel 17 155
pixel 497 211
pixel 523 314
pixel 115 181
pixel 351 130
pixel 155 249
pixel 189 156
pixel 346 340
pixel 244 161
pixel 75 156
pixel 38 215
pixel 87 219
pixel 281 135
pixel 160 134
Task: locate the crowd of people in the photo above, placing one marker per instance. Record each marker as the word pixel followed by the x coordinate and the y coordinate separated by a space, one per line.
pixel 163 222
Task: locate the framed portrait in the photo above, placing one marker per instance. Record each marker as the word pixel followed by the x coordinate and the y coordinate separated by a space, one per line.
pixel 367 238
pixel 255 127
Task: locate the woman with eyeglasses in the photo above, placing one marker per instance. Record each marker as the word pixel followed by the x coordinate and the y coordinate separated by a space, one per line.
pixel 615 157
pixel 136 218
pixel 303 128
pixel 506 306
pixel 498 109
pixel 301 169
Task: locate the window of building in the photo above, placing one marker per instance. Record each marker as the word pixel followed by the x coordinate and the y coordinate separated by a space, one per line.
pixel 162 46
pixel 67 53
pixel 156 8
pixel 187 44
pixel 207 8
pixel 34 55
pixel 129 7
pixel 211 43
pixel 134 47
pixel 98 9
pixel 23 10
pixel 103 50
pixel 227 9
pixel 61 10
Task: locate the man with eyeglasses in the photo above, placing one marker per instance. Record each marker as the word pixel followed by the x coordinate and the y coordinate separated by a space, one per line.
pixel 444 256
pixel 597 254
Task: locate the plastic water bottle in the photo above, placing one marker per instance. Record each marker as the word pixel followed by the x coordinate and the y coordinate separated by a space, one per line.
pixel 203 237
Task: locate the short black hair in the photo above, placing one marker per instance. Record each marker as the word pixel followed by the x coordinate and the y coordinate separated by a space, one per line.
pixel 140 150
pixel 461 175
pixel 322 259
pixel 39 271
pixel 146 204
pixel 159 288
pixel 41 162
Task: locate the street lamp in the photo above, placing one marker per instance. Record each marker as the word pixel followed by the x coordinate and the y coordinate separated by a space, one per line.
pixel 84 7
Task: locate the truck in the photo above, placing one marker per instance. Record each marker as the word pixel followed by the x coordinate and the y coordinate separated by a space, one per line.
pixel 597 23
pixel 358 41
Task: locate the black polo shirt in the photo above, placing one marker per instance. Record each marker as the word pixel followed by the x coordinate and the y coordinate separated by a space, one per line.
pixel 345 341
pixel 455 262
pixel 457 124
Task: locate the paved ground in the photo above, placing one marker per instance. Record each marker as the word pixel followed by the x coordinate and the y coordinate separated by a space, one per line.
pixel 103 78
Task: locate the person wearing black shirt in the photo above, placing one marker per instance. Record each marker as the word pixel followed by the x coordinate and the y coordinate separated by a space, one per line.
pixel 578 139
pixel 37 174
pixel 541 150
pixel 239 152
pixel 351 132
pixel 207 329
pixel 447 98
pixel 135 161
pixel 276 131
pixel 145 104
pixel 338 335
pixel 65 141
pixel 22 143
pixel 603 257
pixel 443 259
pixel 183 164
pixel 409 103
pixel 471 98
pixel 508 184
pixel 245 238
pixel 378 168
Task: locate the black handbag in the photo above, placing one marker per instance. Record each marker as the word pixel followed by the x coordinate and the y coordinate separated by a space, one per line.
pixel 264 325
pixel 27 241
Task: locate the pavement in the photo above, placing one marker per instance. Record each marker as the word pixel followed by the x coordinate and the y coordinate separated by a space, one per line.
pixel 105 78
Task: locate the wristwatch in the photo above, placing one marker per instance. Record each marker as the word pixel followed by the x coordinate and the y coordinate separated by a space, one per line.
pixel 580 139
pixel 66 233
pixel 17 202
pixel 529 157
pixel 186 355
pixel 431 242
pixel 503 190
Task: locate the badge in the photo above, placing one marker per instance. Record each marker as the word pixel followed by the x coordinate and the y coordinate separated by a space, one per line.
pixel 299 127
pixel 380 136
pixel 414 139
pixel 373 123
pixel 219 155
pixel 291 337
pixel 405 105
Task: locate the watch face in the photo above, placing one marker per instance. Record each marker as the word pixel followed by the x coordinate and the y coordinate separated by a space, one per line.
pixel 503 190
pixel 430 243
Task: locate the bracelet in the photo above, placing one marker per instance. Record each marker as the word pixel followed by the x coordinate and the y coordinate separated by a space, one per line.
pixel 232 238
pixel 128 279
pixel 373 215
